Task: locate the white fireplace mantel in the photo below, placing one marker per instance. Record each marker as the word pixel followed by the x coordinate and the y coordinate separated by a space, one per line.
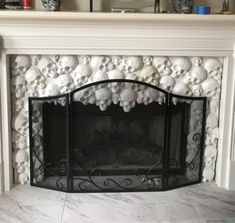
pixel 40 32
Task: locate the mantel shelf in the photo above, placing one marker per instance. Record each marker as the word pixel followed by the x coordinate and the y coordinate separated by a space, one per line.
pixel 31 16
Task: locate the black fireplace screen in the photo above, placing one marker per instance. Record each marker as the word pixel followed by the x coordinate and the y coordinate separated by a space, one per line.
pixel 116 135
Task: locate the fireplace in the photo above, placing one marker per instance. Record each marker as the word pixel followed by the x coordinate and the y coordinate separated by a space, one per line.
pixel 165 41
pixel 116 135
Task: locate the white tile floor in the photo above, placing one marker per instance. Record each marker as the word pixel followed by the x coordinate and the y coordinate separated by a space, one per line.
pixel 204 203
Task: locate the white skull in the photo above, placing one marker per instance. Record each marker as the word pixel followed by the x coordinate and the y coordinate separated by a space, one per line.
pixel 115 86
pixel 197 90
pixel 210 152
pixel 18 104
pixel 147 60
pixel 132 64
pixel 197 61
pixel 20 64
pixel 181 89
pixel 214 106
pixel 23 178
pixel 81 74
pixel 208 174
pixel 128 99
pixel 180 66
pixel 167 83
pixel 212 137
pixel 149 75
pixel 116 60
pixel 67 64
pixel 51 90
pixel 210 87
pixel 85 59
pixel 99 76
pixel 100 63
pixel 195 75
pixel 35 59
pixel 47 67
pixel 211 122
pixel 103 98
pixel 86 96
pixel 214 68
pixel 134 87
pixel 20 123
pixel 65 83
pixel 18 140
pixel 20 157
pixel 163 65
pixel 18 85
pixel 150 95
pixel 32 93
pixel 35 79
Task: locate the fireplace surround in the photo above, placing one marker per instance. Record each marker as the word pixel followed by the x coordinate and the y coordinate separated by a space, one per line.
pixel 37 33
pixel 44 75
pixel 112 136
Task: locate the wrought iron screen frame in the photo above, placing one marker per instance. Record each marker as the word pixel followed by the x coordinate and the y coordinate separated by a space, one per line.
pixel 68 165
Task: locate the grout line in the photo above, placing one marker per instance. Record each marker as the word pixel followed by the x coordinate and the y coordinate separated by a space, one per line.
pixel 62 215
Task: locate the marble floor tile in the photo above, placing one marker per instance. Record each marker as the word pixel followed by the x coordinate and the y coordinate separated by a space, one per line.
pixel 202 203
pixel 26 204
pixel 107 208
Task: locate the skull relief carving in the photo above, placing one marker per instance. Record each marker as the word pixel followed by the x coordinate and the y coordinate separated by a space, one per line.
pixel 116 60
pixel 180 66
pixel 35 79
pixel 134 87
pixel 21 157
pixel 31 77
pixel 81 74
pixel 128 99
pixel 197 61
pixel 51 90
pixel 35 59
pixel 115 86
pixel 211 122
pixel 100 63
pixel 149 75
pixel 19 141
pixel 210 87
pixel 181 89
pixel 132 64
pixel 195 75
pixel 103 98
pixel 20 64
pixel 163 65
pixel 197 90
pixel 18 85
pixel 86 96
pixel 214 68
pixel 147 60
pixel 167 83
pixel 47 67
pixel 20 123
pixel 66 64
pixel 65 83
pixel 150 95
pixel 85 59
pixel 23 178
pixel 99 76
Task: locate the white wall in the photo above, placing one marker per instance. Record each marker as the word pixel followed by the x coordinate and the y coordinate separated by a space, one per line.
pixel 105 5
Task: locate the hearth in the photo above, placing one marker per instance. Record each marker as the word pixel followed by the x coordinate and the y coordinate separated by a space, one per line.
pixel 116 135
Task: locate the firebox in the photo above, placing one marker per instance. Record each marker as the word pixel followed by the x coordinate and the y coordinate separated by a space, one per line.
pixel 116 136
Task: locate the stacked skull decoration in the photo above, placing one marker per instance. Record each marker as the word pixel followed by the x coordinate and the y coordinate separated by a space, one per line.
pixel 40 75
